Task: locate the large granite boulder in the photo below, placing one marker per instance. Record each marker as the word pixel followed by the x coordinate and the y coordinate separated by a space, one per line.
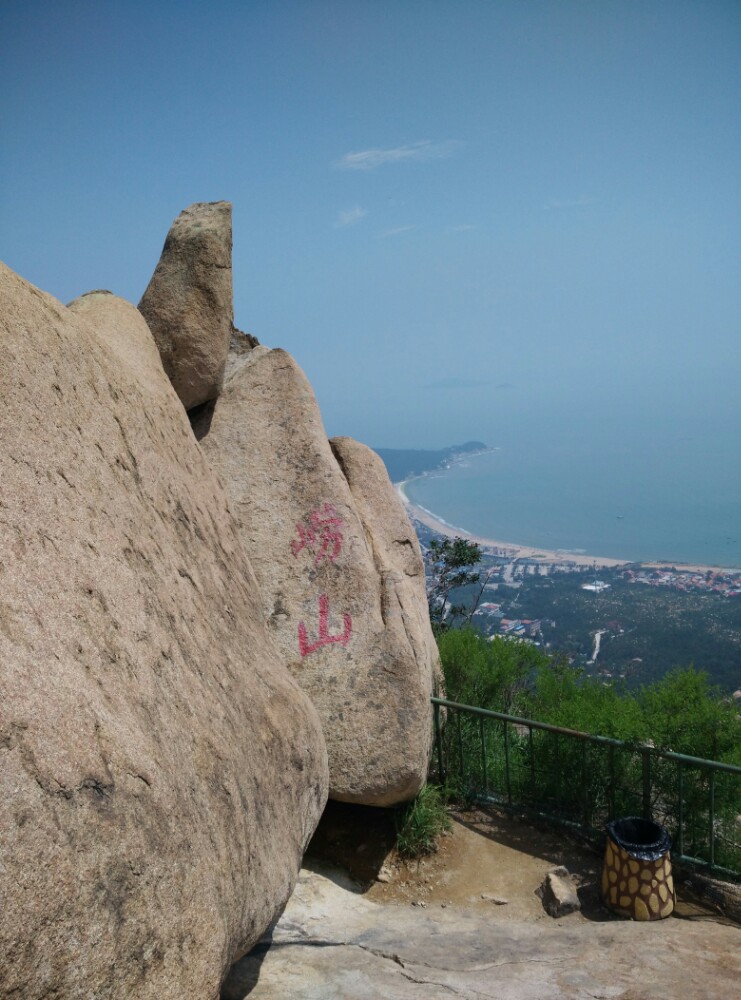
pixel 188 303
pixel 339 570
pixel 160 771
pixel 396 553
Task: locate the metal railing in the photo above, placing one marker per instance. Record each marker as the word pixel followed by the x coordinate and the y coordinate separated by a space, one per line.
pixel 585 780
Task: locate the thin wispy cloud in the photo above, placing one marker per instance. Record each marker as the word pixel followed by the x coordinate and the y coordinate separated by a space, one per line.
pixel 464 228
pixel 582 201
pixel 454 382
pixel 396 231
pixel 370 159
pixel 350 216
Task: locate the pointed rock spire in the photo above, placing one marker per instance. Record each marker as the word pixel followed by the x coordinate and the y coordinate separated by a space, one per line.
pixel 188 303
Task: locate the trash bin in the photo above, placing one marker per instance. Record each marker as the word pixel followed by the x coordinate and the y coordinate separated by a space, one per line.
pixel 637 873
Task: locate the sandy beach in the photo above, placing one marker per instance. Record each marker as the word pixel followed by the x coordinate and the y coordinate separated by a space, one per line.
pixel 513 551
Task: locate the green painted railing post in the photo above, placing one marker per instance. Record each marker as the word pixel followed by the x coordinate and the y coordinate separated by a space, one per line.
pixel 680 808
pixel 482 734
pixel 611 789
pixel 533 783
pixel 439 742
pixel 646 771
pixel 506 764
pixel 711 791
pixel 587 812
pixel 461 765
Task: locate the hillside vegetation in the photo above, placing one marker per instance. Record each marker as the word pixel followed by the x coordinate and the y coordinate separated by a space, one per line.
pixel 682 712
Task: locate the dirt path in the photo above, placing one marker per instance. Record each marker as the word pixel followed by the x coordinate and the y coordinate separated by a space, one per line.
pixel 488 861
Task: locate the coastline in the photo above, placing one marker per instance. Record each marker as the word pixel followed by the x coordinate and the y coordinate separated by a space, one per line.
pixel 513 551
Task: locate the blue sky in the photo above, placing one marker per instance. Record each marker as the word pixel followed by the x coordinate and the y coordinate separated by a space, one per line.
pixel 462 218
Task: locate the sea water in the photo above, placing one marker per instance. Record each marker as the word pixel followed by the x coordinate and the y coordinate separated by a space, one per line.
pixel 640 498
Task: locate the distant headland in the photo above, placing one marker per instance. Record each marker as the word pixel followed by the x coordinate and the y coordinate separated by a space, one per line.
pixel 407 463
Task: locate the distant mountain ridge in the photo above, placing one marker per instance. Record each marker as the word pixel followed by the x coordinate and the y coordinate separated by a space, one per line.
pixel 404 462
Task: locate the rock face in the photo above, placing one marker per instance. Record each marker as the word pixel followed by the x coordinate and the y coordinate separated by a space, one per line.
pixel 188 302
pixel 331 942
pixel 396 553
pixel 340 573
pixel 160 772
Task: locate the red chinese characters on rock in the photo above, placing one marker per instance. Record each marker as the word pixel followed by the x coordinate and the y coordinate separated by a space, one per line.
pixel 322 535
pixel 324 639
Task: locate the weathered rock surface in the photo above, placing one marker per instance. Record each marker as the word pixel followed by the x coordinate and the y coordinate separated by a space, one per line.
pixel 188 303
pixel 340 572
pixel 332 944
pixel 395 548
pixel 558 893
pixel 160 772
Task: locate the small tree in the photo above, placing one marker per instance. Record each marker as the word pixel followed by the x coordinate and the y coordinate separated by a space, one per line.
pixel 451 562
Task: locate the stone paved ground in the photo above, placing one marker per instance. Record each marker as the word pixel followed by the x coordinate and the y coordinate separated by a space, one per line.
pixel 434 931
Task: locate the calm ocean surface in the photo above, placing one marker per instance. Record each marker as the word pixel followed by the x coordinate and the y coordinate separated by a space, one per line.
pixel 635 500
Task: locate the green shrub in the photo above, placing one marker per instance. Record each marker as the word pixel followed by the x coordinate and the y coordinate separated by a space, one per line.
pixel 486 673
pixel 420 823
pixel 684 713
pixel 564 695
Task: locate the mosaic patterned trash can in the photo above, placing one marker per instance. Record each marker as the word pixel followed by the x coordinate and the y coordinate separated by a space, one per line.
pixel 637 873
